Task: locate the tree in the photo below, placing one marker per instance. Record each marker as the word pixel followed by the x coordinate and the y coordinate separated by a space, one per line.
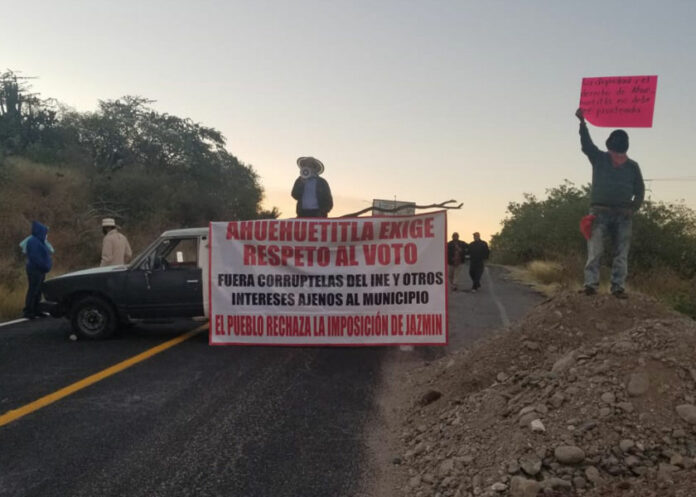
pixel 146 166
pixel 24 117
pixel 544 229
pixel 147 162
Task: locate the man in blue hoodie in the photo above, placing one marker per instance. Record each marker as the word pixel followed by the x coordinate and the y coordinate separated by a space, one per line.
pixel 38 264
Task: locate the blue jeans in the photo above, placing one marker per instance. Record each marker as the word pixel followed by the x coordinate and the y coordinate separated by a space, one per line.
pixel 616 225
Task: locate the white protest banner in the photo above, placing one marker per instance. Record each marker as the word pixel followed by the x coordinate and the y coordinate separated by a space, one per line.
pixel 354 281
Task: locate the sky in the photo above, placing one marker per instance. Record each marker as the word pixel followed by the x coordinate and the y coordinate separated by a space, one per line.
pixel 408 100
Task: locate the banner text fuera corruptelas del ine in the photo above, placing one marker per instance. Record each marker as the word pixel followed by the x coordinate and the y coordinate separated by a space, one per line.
pixel 358 281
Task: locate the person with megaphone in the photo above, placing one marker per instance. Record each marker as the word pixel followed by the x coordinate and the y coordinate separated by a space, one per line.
pixel 312 192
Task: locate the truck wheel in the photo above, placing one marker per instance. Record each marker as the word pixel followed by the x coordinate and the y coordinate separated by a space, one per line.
pixel 93 318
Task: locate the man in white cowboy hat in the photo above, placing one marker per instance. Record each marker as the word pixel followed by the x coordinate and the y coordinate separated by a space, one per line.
pixel 115 248
pixel 312 192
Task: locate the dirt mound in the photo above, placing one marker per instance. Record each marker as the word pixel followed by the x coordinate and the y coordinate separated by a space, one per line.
pixel 585 396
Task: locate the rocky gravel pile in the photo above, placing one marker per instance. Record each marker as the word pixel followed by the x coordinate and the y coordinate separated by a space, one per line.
pixel 585 396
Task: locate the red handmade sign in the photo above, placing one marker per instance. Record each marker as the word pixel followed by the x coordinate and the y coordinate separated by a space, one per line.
pixel 619 101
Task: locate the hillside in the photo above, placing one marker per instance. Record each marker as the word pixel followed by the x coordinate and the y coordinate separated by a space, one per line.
pixel 149 170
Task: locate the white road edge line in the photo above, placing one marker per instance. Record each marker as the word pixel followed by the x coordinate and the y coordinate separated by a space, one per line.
pixel 503 313
pixel 8 323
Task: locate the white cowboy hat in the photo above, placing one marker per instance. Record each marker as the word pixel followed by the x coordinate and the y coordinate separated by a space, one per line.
pixel 108 221
pixel 310 162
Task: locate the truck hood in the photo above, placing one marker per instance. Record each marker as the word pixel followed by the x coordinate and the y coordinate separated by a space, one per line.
pixel 94 270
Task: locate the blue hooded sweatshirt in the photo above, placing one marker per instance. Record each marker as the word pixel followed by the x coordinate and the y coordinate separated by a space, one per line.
pixel 38 254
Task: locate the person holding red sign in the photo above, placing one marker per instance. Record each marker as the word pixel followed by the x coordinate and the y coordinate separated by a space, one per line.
pixel 618 191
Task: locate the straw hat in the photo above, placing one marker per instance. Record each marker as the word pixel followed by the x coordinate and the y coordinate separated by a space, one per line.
pixel 311 162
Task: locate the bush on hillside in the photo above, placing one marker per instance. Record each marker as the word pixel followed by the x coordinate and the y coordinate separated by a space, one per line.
pixel 542 229
pixel 663 234
pixel 662 259
pixel 143 164
pixel 150 170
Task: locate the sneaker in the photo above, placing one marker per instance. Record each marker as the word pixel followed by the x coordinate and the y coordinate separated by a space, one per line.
pixel 620 294
pixel 589 290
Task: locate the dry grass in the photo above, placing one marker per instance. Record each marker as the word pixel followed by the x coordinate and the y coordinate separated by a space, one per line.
pixel 521 274
pixel 57 197
pixel 13 290
pixel 545 272
pixel 665 284
pixel 550 277
pixel 12 301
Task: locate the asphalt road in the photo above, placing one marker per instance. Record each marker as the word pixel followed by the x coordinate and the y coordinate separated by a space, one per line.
pixel 196 420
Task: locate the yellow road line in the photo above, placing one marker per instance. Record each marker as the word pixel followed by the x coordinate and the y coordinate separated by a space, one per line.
pixel 15 414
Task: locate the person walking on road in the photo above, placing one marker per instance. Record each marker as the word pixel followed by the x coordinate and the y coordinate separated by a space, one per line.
pixel 456 251
pixel 39 263
pixel 618 191
pixel 115 248
pixel 478 253
pixel 312 192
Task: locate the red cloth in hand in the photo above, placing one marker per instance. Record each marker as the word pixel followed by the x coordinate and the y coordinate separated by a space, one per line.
pixel 586 225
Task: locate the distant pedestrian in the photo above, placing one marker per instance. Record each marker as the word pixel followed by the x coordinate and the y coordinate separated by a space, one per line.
pixel 456 252
pixel 115 247
pixel 39 263
pixel 618 191
pixel 312 192
pixel 478 253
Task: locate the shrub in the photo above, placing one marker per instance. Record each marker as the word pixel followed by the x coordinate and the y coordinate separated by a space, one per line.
pixel 664 235
pixel 662 260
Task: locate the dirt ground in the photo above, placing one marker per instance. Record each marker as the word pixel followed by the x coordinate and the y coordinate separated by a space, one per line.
pixel 583 396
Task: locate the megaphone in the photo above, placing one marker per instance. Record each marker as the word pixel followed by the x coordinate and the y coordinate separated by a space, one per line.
pixel 309 166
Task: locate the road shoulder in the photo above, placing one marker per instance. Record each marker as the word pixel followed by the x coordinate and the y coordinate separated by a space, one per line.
pixel 406 376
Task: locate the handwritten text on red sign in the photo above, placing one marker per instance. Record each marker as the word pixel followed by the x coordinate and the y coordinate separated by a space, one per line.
pixel 621 101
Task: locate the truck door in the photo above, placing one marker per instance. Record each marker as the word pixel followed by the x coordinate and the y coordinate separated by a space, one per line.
pixel 168 283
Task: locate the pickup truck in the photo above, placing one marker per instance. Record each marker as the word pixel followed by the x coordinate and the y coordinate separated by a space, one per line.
pixel 168 279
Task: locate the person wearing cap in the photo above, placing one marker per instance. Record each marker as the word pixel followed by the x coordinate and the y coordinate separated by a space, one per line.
pixel 115 248
pixel 478 253
pixel 618 191
pixel 311 191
